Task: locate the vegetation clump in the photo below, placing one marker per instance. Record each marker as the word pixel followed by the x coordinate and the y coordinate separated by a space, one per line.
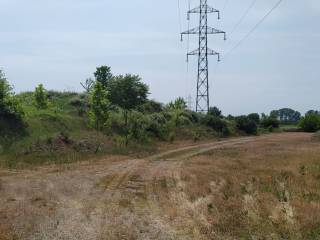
pixel 310 123
pixel 11 113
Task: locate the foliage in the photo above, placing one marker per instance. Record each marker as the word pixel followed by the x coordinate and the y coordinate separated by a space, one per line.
pixel 103 75
pixel 11 113
pixel 269 122
pixel 247 125
pixel 313 112
pixel 40 97
pixel 178 104
pixel 150 106
pixel 127 92
pixel 254 117
pixel 216 112
pixel 286 115
pixel 99 106
pixel 217 124
pixel 310 123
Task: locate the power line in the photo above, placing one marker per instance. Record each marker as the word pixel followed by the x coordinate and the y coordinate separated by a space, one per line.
pixel 180 22
pixel 243 16
pixel 254 28
pixel 225 5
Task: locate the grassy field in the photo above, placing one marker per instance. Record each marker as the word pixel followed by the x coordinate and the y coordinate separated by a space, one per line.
pixel 265 187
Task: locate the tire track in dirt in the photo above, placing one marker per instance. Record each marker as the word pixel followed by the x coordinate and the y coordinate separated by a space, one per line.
pixel 124 200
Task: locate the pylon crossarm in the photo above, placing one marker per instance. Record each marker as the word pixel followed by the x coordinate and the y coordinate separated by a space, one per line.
pixel 207 8
pixel 209 52
pixel 198 30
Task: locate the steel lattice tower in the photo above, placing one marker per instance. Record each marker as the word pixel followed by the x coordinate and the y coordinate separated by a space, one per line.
pixel 203 101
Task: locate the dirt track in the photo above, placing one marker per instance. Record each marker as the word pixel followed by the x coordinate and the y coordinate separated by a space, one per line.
pixel 122 199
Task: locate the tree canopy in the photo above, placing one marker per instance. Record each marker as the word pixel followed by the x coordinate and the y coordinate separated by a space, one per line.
pixel 103 75
pixel 127 92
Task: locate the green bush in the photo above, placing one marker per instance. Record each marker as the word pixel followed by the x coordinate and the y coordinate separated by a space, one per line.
pixel 217 124
pixel 310 123
pixel 254 117
pixel 270 123
pixel 11 114
pixel 243 123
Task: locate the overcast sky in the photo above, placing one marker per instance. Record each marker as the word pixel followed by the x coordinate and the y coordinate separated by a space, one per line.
pixel 60 42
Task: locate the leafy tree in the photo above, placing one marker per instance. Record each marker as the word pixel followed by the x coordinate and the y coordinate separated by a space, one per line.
pixel 127 92
pixel 243 123
pixel 216 112
pixel 286 115
pixel 103 75
pixel 178 104
pixel 254 117
pixel 11 113
pixel 313 112
pixel 41 97
pixel 310 123
pixel 99 106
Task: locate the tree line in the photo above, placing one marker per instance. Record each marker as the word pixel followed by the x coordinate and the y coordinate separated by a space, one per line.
pixel 119 105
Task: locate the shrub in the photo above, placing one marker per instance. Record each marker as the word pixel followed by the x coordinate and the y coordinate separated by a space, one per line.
pixel 270 123
pixel 254 117
pixel 310 123
pixel 216 112
pixel 217 124
pixel 11 113
pixel 243 123
pixel 40 97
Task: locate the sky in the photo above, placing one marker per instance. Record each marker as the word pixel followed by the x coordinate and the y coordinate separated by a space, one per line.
pixel 60 43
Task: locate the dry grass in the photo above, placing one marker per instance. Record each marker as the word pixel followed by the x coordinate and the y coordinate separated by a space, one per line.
pixel 265 188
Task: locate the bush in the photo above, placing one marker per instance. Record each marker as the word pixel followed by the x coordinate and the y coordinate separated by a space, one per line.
pixel 270 123
pixel 243 123
pixel 11 113
pixel 310 123
pixel 254 117
pixel 217 124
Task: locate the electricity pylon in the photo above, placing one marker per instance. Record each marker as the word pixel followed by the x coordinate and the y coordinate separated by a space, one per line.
pixel 203 101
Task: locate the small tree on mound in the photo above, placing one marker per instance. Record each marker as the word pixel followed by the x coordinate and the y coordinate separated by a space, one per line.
pixel 41 97
pixel 103 75
pixel 127 92
pixel 99 106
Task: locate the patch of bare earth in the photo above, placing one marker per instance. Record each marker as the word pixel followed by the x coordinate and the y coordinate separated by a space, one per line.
pixel 249 188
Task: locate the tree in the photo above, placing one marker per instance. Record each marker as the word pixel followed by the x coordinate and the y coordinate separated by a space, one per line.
pixel 313 112
pixel 11 113
pixel 286 115
pixel 216 112
pixel 103 75
pixel 254 117
pixel 99 106
pixel 127 92
pixel 41 97
pixel 178 104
